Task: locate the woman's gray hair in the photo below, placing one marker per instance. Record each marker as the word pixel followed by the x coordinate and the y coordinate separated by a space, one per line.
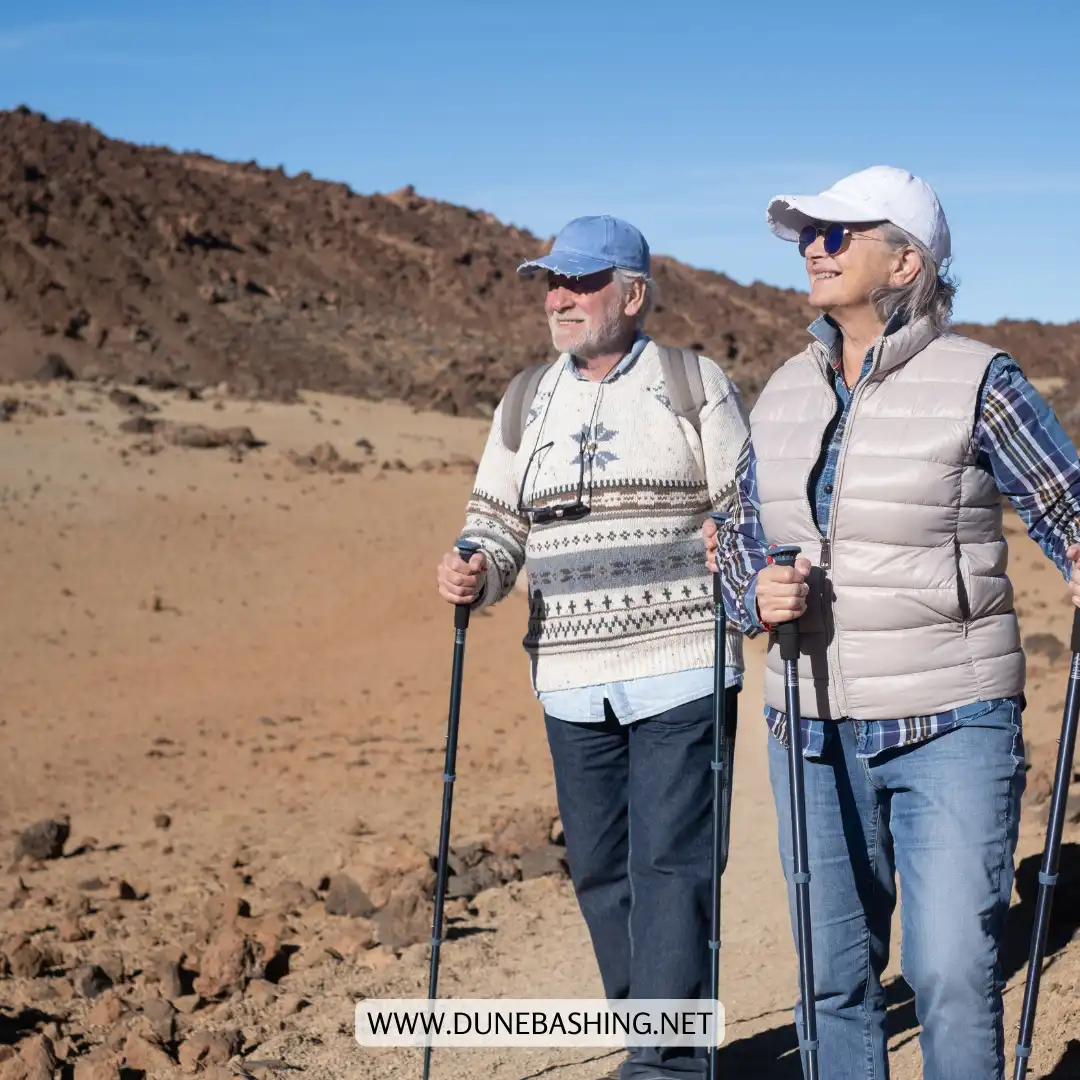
pixel 930 293
pixel 627 279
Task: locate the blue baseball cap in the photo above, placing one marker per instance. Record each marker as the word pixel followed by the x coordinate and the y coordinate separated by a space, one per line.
pixel 588 245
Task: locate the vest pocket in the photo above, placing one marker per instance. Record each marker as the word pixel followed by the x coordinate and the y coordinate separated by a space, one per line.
pixel 961 585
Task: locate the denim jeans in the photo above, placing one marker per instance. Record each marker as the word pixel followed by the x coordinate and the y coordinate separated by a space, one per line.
pixel 636 808
pixel 943 816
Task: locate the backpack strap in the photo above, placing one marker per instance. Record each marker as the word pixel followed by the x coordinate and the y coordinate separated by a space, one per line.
pixel 682 375
pixel 517 403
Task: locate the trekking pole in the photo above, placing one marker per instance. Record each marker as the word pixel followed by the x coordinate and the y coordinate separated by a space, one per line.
pixel 1048 873
pixel 466 549
pixel 724 724
pixel 788 635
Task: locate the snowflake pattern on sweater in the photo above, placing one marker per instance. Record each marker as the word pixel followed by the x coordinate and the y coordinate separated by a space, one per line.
pixel 597 458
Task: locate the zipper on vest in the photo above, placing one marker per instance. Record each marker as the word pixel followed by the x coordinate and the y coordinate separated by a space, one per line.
pixel 826 554
pixel 835 671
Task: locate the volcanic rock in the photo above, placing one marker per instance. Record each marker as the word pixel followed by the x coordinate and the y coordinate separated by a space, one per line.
pixel 25 959
pixel 44 839
pixel 33 1059
pixel 206 271
pixel 346 897
pixel 203 1048
pixel 542 861
pixel 162 1018
pixel 231 959
pixel 292 896
pixel 406 918
pixel 90 980
pixel 106 1011
pixel 99 1063
pixel 522 831
pixel 143 1055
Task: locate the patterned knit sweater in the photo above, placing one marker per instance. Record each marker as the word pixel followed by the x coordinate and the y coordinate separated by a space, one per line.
pixel 623 591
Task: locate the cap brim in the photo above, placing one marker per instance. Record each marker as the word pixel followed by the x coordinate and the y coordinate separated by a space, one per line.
pixel 788 214
pixel 567 263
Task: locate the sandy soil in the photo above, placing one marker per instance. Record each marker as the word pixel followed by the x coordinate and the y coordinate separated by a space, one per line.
pixel 255 649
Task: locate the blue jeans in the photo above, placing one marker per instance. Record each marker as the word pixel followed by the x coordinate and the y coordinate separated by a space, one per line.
pixel 636 808
pixel 943 816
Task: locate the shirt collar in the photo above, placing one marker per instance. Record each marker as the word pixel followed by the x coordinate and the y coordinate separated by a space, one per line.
pixel 641 339
pixel 828 333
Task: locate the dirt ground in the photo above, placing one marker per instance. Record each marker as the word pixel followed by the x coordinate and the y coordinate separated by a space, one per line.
pixel 229 668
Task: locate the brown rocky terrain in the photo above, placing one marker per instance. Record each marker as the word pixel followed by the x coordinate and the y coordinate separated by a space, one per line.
pixel 223 724
pixel 138 261
pixel 225 692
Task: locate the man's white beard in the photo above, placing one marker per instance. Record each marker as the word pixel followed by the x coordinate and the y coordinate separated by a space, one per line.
pixel 601 339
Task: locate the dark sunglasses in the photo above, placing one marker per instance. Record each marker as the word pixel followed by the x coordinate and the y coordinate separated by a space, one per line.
pixel 544 513
pixel 836 237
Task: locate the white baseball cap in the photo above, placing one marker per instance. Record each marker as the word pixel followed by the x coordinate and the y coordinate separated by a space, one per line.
pixel 880 193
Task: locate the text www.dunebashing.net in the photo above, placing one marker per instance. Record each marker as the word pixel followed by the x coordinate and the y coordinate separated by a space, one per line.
pixel 479 1022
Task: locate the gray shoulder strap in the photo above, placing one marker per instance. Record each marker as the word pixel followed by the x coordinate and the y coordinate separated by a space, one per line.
pixel 518 402
pixel 682 374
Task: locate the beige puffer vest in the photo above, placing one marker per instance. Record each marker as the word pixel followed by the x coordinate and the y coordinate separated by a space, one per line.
pixel 910 611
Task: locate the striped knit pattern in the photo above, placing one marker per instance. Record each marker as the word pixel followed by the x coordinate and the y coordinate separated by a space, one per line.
pixel 623 592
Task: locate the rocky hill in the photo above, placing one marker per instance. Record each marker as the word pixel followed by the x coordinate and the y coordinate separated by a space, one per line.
pixel 131 261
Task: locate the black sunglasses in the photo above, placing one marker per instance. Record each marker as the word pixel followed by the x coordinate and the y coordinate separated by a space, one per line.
pixel 544 512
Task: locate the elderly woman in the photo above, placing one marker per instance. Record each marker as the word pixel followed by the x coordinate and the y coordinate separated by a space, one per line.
pixel 882 450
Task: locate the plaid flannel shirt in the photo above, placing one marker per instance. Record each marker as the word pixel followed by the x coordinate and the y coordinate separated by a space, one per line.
pixel 1017 438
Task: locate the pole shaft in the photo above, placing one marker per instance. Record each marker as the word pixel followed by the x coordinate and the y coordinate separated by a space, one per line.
pixel 720 782
pixel 1051 854
pixel 450 764
pixel 802 866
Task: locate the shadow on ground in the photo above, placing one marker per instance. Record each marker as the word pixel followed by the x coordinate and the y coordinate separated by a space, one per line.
pixel 13 1026
pixel 1068 1068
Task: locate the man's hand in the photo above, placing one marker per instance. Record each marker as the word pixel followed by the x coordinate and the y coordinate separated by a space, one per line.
pixel 782 592
pixel 708 532
pixel 460 582
pixel 1073 555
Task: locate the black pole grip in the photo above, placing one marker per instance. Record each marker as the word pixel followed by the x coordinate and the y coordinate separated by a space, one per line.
pixel 1075 646
pixel 784 554
pixel 720 520
pixel 787 633
pixel 466 549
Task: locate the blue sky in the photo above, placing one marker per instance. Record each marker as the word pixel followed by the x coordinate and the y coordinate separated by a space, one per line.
pixel 683 117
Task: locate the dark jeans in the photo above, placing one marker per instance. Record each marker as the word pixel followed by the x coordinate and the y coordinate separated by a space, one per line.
pixel 636 808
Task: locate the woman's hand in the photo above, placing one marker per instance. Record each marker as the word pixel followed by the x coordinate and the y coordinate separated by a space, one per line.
pixel 1073 555
pixel 782 592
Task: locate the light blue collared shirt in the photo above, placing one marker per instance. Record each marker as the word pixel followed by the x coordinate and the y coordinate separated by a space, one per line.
pixel 632 699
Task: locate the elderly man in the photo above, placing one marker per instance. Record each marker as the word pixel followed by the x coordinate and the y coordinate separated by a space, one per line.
pixel 597 475
pixel 883 450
